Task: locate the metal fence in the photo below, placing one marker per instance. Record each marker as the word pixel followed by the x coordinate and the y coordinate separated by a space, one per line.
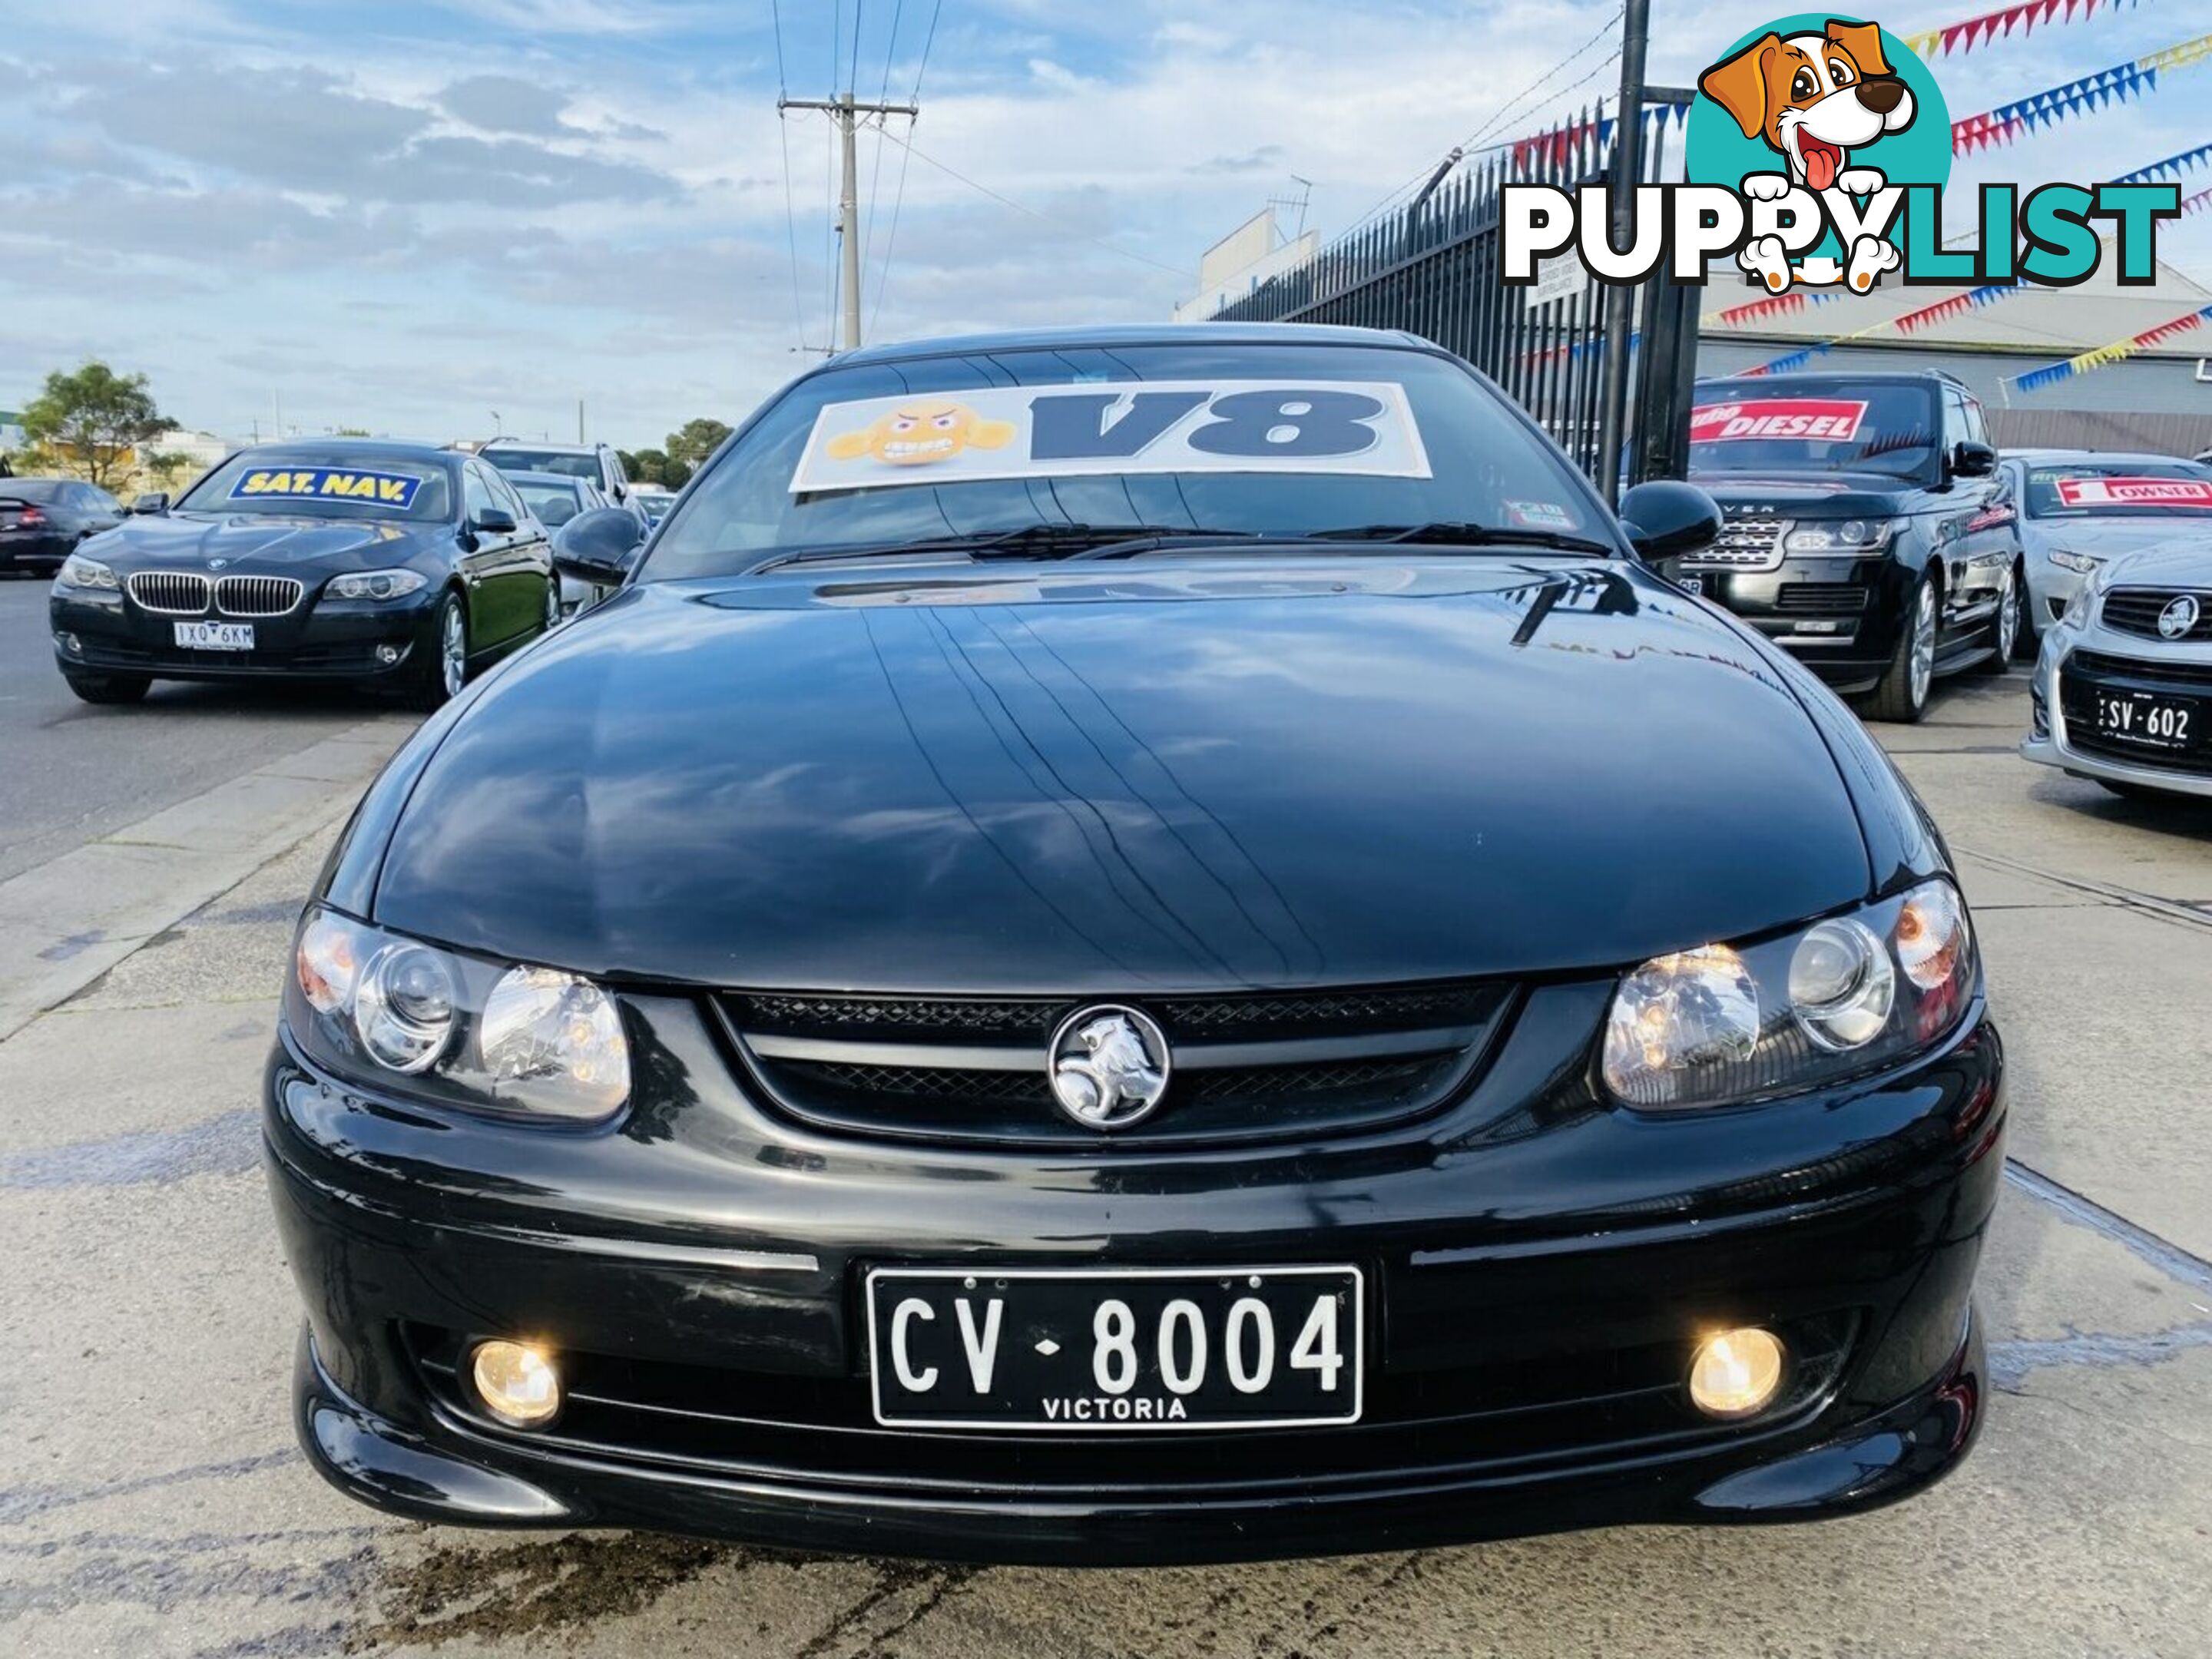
pixel 1433 269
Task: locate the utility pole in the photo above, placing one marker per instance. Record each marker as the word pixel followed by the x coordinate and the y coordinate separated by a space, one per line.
pixel 1619 299
pixel 843 109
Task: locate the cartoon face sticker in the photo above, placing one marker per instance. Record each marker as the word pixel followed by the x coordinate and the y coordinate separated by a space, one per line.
pixel 918 434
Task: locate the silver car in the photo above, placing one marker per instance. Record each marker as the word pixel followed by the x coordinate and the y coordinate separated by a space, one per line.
pixel 2122 689
pixel 2079 509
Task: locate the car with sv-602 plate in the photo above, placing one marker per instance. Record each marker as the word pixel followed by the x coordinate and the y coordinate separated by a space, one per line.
pixel 1869 533
pixel 2123 691
pixel 390 565
pixel 1062 974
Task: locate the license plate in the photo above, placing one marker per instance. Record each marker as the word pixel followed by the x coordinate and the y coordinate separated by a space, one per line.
pixel 215 637
pixel 1693 585
pixel 1135 1350
pixel 2146 718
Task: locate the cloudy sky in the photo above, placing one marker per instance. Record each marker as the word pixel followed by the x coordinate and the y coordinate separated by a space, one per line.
pixel 403 215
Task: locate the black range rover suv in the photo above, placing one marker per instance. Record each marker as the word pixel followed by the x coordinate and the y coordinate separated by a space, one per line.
pixel 1868 530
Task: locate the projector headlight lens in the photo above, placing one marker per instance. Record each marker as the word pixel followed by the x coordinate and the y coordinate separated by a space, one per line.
pixel 1724 1024
pixel 533 1041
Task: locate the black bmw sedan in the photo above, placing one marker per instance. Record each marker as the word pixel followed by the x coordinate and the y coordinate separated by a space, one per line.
pixel 386 564
pixel 1139 946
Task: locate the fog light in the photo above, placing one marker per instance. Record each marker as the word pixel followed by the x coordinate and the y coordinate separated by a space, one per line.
pixel 73 645
pixel 387 654
pixel 517 1383
pixel 1736 1373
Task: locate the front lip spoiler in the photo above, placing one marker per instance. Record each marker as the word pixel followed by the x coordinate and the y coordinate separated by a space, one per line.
pixel 2053 751
pixel 1881 1460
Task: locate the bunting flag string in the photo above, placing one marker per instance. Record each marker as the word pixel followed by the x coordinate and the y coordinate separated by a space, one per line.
pixel 2123 82
pixel 2088 362
pixel 2173 167
pixel 1558 144
pixel 1964 37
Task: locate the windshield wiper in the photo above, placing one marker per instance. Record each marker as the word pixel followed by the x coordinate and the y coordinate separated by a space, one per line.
pixel 1028 541
pixel 1451 532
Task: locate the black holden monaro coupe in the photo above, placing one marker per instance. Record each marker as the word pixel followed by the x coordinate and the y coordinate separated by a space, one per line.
pixel 390 565
pixel 1139 945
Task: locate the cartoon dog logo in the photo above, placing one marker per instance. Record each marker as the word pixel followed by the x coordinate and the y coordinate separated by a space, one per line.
pixel 918 434
pixel 1813 99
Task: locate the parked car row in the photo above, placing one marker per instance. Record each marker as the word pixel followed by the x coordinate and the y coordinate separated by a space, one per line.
pixel 1872 531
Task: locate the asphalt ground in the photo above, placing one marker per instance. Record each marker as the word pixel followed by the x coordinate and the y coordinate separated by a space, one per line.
pixel 151 1501
pixel 69 774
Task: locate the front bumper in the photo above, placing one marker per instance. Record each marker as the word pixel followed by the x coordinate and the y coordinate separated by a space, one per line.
pixel 1839 616
pixel 315 640
pixel 2051 742
pixel 701 1264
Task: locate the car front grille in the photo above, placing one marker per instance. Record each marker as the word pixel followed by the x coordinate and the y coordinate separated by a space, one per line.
pixel 2083 671
pixel 172 592
pixel 1742 544
pixel 256 596
pixel 1256 1065
pixel 2136 611
pixel 1820 598
pixel 1520 1410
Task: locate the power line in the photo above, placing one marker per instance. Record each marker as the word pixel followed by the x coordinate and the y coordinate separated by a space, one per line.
pixel 1046 218
pixel 1467 146
pixel 790 204
pixel 876 166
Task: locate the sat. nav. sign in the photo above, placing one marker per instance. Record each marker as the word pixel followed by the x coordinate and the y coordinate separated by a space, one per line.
pixel 1827 420
pixel 2134 492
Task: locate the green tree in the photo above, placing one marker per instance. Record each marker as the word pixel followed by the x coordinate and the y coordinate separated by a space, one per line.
pixel 93 420
pixel 699 439
pixel 352 432
pixel 653 466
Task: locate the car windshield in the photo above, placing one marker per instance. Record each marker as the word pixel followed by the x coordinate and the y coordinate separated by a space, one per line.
pixel 1783 426
pixel 2115 487
pixel 1036 450
pixel 554 504
pixel 573 464
pixel 324 484
pixel 40 490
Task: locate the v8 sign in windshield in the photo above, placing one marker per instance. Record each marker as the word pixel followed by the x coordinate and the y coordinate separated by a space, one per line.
pixel 1109 428
pixel 1136 1348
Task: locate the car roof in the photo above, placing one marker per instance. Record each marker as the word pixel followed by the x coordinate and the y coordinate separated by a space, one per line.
pixel 2101 457
pixel 1131 334
pixel 392 448
pixel 546 448
pixel 1873 376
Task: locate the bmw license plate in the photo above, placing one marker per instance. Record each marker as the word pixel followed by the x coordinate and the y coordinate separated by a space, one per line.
pixel 2145 717
pixel 214 636
pixel 1135 1350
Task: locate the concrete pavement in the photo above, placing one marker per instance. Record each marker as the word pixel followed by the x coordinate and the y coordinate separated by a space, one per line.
pixel 151 1503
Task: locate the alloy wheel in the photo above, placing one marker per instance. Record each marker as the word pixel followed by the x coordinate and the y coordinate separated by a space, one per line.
pixel 2008 619
pixel 1924 643
pixel 453 649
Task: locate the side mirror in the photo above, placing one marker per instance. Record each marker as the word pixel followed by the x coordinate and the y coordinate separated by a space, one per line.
pixel 494 522
pixel 1665 518
pixel 154 501
pixel 1973 460
pixel 597 547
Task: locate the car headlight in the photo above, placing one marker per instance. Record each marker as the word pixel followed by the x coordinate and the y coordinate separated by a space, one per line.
pixel 1841 536
pixel 2082 564
pixel 376 584
pixel 484 1036
pixel 1723 1025
pixel 77 571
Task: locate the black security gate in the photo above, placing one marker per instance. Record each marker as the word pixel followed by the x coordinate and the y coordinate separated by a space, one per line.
pixel 1433 270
